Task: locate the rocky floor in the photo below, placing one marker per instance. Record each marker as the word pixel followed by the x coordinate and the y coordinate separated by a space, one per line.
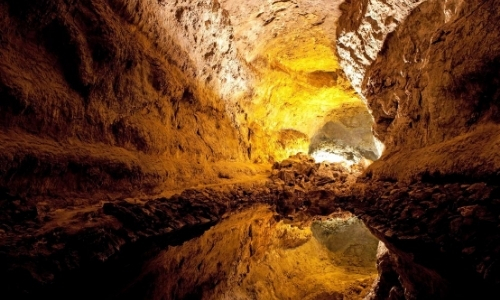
pixel 447 231
pixel 43 248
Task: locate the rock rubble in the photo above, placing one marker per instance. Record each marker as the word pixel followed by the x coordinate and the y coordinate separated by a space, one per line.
pixel 67 239
pixel 441 237
pixel 449 232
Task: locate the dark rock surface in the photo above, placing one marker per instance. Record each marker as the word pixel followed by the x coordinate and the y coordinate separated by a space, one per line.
pixel 84 250
pixel 444 238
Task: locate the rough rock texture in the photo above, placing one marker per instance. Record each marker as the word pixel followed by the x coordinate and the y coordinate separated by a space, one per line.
pixel 299 179
pixel 112 96
pixel 205 35
pixel 444 239
pixel 297 85
pixel 96 251
pixel 259 22
pixel 118 97
pixel 363 27
pixel 433 92
pixel 105 102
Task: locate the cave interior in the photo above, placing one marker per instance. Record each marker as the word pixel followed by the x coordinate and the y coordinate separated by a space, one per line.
pixel 219 149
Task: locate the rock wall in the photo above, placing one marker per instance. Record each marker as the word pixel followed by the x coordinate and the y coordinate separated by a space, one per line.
pixel 433 92
pixel 205 34
pixel 110 99
pixel 361 32
pixel 118 97
pixel 121 97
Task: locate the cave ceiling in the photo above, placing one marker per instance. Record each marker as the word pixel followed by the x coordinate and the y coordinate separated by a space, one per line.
pixel 297 84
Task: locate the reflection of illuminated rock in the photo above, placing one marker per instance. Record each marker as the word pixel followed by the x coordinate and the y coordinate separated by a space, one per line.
pixel 350 242
pixel 250 255
pixel 129 126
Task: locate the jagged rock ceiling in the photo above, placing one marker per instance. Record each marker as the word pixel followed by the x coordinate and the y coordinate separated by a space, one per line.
pixel 297 83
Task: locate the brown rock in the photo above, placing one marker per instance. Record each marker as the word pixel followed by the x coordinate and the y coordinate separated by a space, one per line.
pixel 467 211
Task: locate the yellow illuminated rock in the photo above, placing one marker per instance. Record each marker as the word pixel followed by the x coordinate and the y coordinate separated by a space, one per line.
pixel 251 256
pixel 300 88
pixel 296 82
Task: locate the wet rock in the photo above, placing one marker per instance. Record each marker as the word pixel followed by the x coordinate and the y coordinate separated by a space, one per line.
pixel 428 220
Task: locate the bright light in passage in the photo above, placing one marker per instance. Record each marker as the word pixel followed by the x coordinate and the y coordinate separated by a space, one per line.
pixel 324 156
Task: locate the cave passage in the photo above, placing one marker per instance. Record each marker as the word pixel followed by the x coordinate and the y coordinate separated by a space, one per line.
pixel 223 149
pixel 182 176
